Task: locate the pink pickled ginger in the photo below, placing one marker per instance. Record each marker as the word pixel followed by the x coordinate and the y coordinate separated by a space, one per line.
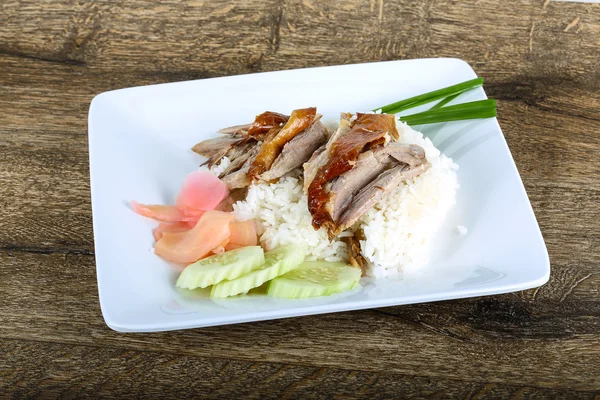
pixel 171 227
pixel 160 212
pixel 243 233
pixel 201 190
pixel 209 233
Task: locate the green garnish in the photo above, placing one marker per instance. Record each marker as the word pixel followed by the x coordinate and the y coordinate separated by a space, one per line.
pixel 458 112
pixel 445 101
pixel 425 98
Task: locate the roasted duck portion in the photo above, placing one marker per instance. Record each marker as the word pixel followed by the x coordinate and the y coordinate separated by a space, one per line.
pixel 265 150
pixel 361 161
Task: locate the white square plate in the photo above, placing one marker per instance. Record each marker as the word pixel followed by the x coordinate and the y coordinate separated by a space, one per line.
pixel 140 140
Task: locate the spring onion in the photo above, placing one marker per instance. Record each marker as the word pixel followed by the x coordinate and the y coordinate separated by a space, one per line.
pixel 445 101
pixel 458 112
pixel 425 98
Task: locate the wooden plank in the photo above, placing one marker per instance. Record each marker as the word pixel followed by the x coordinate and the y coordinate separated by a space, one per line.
pixel 32 369
pixel 541 341
pixel 221 37
pixel 104 29
pixel 45 193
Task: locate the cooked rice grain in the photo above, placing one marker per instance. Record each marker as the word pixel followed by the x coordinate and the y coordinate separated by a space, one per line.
pixel 281 214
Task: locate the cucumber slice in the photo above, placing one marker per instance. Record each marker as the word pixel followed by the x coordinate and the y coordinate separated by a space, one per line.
pixel 277 262
pixel 214 269
pixel 313 279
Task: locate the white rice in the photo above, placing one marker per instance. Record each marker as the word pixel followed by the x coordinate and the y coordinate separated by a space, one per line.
pixel 281 213
pixel 221 166
pixel 396 228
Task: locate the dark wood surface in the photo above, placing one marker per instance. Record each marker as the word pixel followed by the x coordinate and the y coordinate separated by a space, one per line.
pixel 541 59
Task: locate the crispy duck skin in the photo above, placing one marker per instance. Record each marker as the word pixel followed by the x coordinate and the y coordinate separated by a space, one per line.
pixel 355 258
pixel 321 155
pixel 264 122
pixel 261 125
pixel 367 128
pixel 271 148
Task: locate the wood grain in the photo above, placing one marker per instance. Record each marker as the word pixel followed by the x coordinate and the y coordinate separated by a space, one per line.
pixel 81 371
pixel 540 59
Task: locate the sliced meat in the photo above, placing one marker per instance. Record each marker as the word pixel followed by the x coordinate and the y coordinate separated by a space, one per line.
pixel 297 151
pixel 271 148
pixel 237 176
pixel 239 149
pixel 355 257
pixel 238 179
pixel 313 165
pixel 210 147
pixel 368 166
pixel 250 157
pixel 226 205
pixel 215 149
pixel 235 130
pixel 370 194
pixel 345 125
pixel 238 155
pixel 264 122
pixel 344 187
pixel 316 161
pixel 410 154
pixel 216 158
pixel 321 155
pixel 235 195
pixel 367 128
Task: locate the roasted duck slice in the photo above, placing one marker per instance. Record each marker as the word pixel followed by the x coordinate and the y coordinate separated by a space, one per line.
pixel 360 156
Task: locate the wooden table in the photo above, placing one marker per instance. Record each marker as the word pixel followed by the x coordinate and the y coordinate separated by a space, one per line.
pixel 539 58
